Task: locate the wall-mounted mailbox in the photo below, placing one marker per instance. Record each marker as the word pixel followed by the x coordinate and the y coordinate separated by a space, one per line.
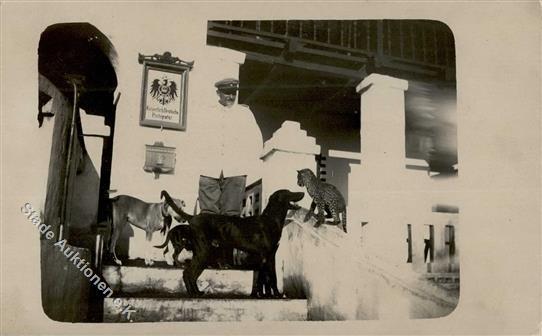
pixel 159 159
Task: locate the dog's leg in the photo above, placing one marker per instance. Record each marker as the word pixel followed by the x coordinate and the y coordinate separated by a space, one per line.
pixel 268 278
pixel 266 281
pixel 273 277
pixel 114 237
pixel 176 252
pixel 196 267
pixel 148 260
pixel 309 213
pixel 165 257
pixel 257 284
pixel 225 256
pixel 254 284
pixel 260 279
pixel 166 250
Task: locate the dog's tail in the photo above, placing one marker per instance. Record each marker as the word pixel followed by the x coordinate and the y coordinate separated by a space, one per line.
pixel 166 242
pixel 179 211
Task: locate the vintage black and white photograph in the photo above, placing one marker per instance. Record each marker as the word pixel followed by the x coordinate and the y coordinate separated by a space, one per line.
pixel 245 170
pixel 309 184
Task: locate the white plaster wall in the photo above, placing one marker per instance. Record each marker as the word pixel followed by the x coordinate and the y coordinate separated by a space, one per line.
pixel 92 124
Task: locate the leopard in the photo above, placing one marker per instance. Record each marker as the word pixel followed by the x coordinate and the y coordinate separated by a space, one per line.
pixel 325 196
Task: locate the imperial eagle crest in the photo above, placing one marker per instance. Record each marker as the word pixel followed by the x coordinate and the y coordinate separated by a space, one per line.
pixel 163 90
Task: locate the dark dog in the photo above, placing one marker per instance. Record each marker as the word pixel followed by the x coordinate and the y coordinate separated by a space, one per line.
pixel 181 238
pixel 256 235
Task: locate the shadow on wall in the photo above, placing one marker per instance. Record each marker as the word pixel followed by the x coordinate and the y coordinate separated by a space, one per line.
pixel 123 243
pixel 84 205
pixel 342 283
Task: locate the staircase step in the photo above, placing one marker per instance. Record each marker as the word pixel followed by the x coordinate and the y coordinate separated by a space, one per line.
pixel 205 309
pixel 164 282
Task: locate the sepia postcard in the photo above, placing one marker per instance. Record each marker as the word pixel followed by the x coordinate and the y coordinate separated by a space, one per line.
pixel 271 167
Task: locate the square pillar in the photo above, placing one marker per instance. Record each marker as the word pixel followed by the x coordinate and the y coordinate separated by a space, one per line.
pixel 382 130
pixel 374 184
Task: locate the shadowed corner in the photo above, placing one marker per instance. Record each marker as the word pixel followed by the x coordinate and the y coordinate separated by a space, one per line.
pixel 63 300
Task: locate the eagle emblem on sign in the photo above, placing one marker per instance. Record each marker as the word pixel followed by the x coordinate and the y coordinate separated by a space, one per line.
pixel 163 90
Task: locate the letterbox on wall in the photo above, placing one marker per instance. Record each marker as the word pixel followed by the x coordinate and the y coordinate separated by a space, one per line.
pixel 159 159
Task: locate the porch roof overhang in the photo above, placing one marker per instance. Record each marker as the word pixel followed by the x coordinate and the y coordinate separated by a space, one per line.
pixel 297 66
pixel 80 49
pixel 296 71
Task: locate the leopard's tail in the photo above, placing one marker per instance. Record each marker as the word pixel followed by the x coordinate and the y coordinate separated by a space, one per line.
pixel 344 220
pixel 179 211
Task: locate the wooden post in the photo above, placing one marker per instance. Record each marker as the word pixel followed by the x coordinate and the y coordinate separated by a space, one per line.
pixel 389 37
pixel 368 34
pixel 412 44
pixel 424 47
pixel 379 43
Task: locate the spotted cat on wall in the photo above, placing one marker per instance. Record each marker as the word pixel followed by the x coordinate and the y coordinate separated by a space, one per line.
pixel 325 197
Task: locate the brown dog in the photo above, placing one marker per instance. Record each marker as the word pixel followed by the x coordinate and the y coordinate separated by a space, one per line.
pixel 149 217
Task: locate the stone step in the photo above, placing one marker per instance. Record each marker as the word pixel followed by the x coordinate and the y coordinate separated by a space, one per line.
pixel 168 282
pixel 203 309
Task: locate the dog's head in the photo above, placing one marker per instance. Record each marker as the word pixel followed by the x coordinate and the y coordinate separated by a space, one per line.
pixel 286 198
pixel 169 213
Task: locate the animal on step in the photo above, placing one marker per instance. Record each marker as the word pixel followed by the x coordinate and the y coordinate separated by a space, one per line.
pixel 149 217
pixel 325 197
pixel 257 235
pixel 181 238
